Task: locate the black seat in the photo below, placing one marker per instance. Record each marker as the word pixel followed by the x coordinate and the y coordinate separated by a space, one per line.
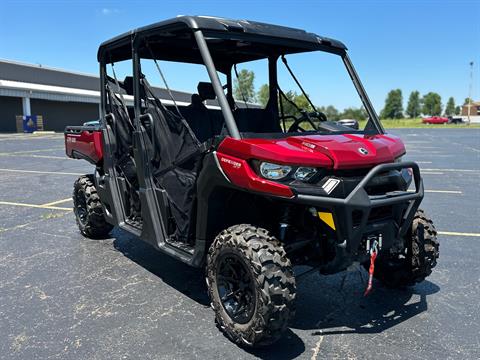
pixel 128 85
pixel 256 120
pixel 205 123
pixel 206 91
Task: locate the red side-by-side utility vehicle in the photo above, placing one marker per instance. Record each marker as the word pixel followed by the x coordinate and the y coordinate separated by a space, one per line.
pixel 243 190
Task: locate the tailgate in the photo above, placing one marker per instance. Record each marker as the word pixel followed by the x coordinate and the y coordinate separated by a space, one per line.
pixel 84 142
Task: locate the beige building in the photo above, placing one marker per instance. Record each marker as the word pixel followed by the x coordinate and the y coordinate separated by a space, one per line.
pixel 474 111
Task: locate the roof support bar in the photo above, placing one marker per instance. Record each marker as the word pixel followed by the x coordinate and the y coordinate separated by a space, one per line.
pixel 136 86
pixel 217 86
pixel 273 83
pixel 363 94
pixel 103 96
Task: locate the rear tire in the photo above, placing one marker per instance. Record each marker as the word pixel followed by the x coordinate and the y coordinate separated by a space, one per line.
pixel 398 272
pixel 88 209
pixel 264 290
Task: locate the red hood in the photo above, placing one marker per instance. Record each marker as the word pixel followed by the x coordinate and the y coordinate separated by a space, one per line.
pixel 333 151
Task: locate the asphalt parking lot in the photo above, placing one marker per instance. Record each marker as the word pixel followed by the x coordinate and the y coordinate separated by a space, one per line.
pixel 64 296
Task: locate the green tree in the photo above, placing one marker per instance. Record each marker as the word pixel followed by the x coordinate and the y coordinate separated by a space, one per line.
pixel 354 113
pixel 432 104
pixel 458 110
pixel 467 101
pixel 263 94
pixel 299 100
pixel 450 108
pixel 243 87
pixel 393 105
pixel 331 112
pixel 414 105
pixel 288 107
pixel 302 102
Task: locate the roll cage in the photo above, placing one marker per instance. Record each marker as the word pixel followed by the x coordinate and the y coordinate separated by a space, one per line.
pixel 219 44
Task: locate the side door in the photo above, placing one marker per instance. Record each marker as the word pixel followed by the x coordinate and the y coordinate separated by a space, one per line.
pixel 118 183
pixel 168 155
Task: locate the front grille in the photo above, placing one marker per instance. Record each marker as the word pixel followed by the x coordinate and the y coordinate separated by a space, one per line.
pixel 376 214
pixel 382 189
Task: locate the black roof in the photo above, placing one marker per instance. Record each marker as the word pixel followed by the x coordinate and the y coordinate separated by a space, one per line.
pixel 171 34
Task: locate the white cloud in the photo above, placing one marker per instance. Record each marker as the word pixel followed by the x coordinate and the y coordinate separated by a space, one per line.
pixel 108 11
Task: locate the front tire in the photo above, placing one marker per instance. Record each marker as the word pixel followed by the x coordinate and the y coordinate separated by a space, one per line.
pixel 421 257
pixel 88 209
pixel 251 285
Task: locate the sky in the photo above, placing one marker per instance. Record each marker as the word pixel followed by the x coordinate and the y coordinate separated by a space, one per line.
pixel 411 45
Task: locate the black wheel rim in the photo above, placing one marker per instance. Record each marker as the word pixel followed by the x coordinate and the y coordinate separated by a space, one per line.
pixel 236 288
pixel 80 204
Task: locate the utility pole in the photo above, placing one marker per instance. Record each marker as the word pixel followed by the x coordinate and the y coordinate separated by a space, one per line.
pixel 470 91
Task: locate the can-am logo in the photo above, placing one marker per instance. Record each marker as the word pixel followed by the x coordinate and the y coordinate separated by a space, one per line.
pixel 235 164
pixel 363 151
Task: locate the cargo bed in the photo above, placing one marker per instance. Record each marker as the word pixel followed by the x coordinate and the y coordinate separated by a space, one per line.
pixel 84 142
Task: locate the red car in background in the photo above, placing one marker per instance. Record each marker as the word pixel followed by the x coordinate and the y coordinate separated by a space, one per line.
pixel 435 120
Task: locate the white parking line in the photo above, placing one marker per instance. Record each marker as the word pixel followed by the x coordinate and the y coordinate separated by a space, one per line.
pixel 440 191
pixel 58 202
pixel 452 233
pixel 38 156
pixel 465 146
pixel 444 191
pixel 35 137
pixel 32 151
pixel 41 172
pixel 34 206
pixel 452 170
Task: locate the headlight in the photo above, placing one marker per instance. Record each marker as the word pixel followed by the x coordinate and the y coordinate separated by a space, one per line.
pixel 274 171
pixel 304 173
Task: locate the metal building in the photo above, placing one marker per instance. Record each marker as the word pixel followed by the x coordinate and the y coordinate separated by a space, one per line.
pixel 61 97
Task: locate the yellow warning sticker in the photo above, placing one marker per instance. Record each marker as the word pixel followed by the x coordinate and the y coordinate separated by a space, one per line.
pixel 327 218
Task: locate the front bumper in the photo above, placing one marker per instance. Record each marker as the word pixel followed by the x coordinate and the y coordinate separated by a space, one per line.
pixel 360 215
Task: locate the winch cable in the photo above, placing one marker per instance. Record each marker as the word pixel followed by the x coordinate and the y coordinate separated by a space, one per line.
pixel 284 60
pixel 373 255
pixel 240 85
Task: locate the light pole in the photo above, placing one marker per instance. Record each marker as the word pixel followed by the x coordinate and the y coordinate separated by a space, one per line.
pixel 470 91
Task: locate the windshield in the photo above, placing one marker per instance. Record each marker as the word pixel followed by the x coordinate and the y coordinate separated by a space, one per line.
pixel 314 93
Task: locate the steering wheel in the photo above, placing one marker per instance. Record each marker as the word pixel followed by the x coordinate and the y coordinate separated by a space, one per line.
pixel 309 118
